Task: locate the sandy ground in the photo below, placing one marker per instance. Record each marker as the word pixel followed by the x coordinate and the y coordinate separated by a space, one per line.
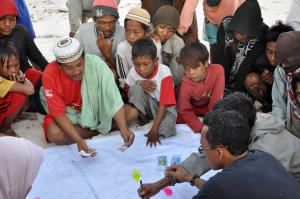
pixel 50 21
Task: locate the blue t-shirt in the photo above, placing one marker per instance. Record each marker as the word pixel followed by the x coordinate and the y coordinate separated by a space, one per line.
pixel 258 175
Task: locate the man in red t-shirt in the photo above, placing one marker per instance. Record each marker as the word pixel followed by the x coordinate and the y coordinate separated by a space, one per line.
pixel 62 85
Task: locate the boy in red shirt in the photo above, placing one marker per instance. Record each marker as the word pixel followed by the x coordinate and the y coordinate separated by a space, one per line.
pixel 150 90
pixel 201 86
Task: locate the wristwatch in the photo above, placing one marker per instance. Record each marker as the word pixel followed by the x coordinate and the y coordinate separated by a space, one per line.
pixel 192 181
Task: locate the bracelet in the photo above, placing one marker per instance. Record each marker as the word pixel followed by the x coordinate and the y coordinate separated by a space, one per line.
pixel 192 182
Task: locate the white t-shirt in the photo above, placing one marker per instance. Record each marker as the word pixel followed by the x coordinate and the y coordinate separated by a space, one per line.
pixel 124 59
pixel 164 92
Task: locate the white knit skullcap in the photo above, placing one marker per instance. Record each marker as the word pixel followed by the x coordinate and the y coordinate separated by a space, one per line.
pixel 67 50
pixel 139 14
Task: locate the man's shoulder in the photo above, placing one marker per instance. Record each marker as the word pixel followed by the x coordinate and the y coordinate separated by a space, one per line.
pixel 123 47
pixel 164 70
pixel 87 26
pixel 175 40
pixel 94 60
pixel 216 68
pixel 119 34
pixel 84 29
pixel 51 69
pixel 20 28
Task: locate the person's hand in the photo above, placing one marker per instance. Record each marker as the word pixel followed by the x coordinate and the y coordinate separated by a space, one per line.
pixel 190 37
pixel 149 190
pixel 128 137
pixel 148 85
pixel 267 77
pixel 153 137
pixel 72 34
pixel 20 77
pixel 104 46
pixel 179 172
pixel 13 77
pixel 81 144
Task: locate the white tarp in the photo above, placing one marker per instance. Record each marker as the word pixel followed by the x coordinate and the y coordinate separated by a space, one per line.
pixel 65 175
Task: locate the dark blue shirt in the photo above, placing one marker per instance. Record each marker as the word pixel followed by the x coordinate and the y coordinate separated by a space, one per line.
pixel 258 175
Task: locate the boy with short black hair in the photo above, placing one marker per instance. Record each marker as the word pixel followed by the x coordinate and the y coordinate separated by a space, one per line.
pixel 259 84
pixel 150 91
pixel 202 85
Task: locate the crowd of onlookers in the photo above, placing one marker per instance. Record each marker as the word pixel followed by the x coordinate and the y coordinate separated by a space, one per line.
pixel 105 76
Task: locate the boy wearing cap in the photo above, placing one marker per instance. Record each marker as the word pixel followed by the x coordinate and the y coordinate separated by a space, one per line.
pixel 102 36
pixel 284 100
pixel 166 22
pixel 137 26
pixel 81 97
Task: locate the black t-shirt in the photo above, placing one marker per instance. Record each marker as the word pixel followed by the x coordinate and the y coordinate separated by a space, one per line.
pixel 258 175
pixel 26 48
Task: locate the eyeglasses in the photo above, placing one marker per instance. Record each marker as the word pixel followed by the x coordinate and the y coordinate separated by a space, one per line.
pixel 297 94
pixel 201 149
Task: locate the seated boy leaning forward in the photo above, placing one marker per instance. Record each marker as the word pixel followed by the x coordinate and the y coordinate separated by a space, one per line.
pixel 202 85
pixel 14 87
pixel 81 96
pixel 259 83
pixel 150 91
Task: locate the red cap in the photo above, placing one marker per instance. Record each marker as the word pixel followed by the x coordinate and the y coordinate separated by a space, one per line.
pixel 8 7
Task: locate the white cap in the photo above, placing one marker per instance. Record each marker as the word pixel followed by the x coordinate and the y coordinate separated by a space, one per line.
pixel 67 50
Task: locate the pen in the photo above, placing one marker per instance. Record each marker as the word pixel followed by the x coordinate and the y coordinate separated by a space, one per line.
pixel 141 184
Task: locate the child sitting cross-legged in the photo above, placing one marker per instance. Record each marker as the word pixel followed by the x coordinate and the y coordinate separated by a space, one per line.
pixel 150 91
pixel 201 86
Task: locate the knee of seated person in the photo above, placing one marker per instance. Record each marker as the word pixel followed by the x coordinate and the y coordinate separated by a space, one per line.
pixel 56 136
pixel 251 80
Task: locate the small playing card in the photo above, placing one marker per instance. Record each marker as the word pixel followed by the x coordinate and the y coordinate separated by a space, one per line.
pixel 176 159
pixel 126 146
pixel 123 148
pixel 90 153
pixel 162 162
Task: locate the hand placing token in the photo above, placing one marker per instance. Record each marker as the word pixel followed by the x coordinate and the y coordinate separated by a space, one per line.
pixel 90 153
